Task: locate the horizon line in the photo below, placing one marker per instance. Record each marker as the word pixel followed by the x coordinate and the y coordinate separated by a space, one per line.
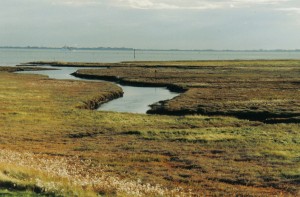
pixel 139 49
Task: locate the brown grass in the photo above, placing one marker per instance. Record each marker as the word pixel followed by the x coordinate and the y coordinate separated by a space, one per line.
pixel 201 155
pixel 252 91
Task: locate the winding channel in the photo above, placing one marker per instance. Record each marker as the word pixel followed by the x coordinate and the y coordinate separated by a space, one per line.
pixel 134 100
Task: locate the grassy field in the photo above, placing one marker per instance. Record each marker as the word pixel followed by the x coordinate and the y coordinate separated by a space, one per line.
pixel 265 91
pixel 171 64
pixel 51 144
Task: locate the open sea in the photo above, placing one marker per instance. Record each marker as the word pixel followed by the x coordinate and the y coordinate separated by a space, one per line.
pixel 11 57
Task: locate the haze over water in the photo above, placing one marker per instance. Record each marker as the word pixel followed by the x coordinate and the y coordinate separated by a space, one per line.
pixel 11 57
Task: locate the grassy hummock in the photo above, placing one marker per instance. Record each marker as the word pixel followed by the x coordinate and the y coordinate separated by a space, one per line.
pixel 265 91
pixel 52 145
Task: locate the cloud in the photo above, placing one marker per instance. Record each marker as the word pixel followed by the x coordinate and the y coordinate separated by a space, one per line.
pixel 76 2
pixel 165 4
pixel 192 4
pixel 290 10
pixel 170 4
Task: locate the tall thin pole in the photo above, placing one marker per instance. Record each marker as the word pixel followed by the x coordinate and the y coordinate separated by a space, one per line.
pixel 134 53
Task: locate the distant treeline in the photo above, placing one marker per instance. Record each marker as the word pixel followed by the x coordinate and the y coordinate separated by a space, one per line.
pixel 130 49
pixel 68 48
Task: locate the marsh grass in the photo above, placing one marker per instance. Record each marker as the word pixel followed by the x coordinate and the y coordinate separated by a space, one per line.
pixel 45 136
pixel 267 64
pixel 66 176
pixel 257 90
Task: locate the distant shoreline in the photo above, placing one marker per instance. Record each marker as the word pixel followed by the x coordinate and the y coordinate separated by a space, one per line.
pixel 131 49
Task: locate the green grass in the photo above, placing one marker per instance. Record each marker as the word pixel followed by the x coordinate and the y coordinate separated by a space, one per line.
pixel 177 64
pixel 256 90
pixel 7 193
pixel 41 125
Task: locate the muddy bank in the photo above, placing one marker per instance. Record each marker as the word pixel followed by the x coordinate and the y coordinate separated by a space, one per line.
pixel 261 116
pixel 122 81
pixel 18 69
pixel 95 103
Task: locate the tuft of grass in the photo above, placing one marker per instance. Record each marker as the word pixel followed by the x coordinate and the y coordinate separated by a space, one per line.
pixel 30 182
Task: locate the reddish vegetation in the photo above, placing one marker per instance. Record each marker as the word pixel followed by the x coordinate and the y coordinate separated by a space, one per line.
pixel 207 155
pixel 253 92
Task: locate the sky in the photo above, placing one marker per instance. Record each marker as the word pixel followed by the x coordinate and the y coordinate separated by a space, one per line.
pixel 152 24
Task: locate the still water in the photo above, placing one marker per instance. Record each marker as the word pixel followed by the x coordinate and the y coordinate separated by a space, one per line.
pixel 134 100
pixel 10 57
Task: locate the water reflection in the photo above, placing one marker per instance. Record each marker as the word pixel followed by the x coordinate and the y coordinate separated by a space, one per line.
pixel 137 99
pixel 60 73
pixel 134 100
